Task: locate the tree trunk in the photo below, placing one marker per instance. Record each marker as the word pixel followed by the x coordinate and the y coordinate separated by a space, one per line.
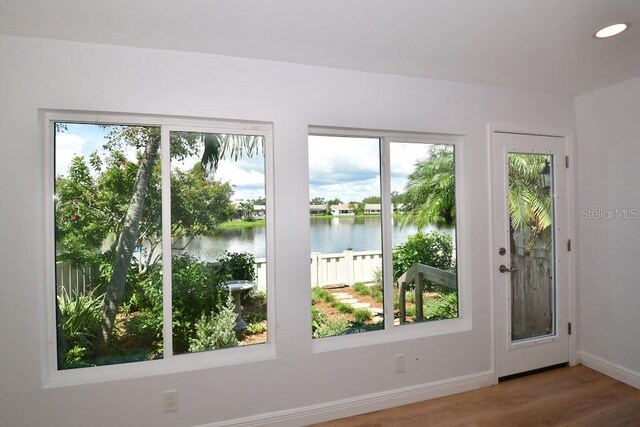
pixel 127 240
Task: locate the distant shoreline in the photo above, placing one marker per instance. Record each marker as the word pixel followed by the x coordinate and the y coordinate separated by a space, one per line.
pixel 230 225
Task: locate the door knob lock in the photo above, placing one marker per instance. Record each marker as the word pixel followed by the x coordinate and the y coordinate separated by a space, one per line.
pixel 504 269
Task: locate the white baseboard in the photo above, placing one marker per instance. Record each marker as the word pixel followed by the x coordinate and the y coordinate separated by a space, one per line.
pixel 362 404
pixel 610 369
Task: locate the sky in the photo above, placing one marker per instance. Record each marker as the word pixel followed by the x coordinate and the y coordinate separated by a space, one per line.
pixel 345 168
pixel 246 174
pixel 348 168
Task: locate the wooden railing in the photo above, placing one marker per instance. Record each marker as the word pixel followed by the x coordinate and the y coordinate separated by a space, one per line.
pixel 418 274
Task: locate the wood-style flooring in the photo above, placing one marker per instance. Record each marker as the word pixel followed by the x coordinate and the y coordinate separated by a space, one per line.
pixel 570 396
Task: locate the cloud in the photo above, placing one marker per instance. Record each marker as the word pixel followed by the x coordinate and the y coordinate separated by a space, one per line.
pixel 67 147
pixel 403 157
pixel 343 167
pixel 348 168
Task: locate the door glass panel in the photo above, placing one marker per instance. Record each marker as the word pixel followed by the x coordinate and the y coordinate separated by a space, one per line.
pixel 532 245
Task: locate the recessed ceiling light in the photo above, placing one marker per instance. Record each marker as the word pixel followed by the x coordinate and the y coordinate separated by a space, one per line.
pixel 611 30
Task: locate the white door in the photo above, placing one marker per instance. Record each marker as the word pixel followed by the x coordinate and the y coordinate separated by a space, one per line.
pixel 531 248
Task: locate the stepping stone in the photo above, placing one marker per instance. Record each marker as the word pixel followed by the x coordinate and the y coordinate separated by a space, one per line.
pixel 396 322
pixel 376 311
pixel 342 295
pixel 356 304
pixel 349 301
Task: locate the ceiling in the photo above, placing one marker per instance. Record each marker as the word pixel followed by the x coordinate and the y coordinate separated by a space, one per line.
pixel 543 45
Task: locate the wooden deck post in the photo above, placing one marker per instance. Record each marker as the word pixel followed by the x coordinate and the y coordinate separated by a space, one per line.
pixel 419 305
pixel 402 308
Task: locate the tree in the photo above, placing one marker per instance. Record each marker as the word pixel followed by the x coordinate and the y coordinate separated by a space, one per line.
pixel 332 202
pixel 127 226
pixel 358 208
pixel 529 200
pixel 259 201
pixel 371 200
pixel 396 197
pixel 126 242
pixel 245 209
pixel 198 203
pixel 430 191
pixel 317 201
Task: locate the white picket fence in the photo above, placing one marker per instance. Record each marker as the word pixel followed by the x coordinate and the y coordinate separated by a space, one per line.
pixel 342 268
pixel 73 280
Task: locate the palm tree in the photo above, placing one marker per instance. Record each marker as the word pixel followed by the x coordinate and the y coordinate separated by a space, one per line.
pixel 430 193
pixel 529 199
pixel 429 196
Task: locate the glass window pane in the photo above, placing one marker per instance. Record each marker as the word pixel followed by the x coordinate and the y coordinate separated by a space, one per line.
pixel 346 235
pixel 108 244
pixel 218 213
pixel 424 232
pixel 532 245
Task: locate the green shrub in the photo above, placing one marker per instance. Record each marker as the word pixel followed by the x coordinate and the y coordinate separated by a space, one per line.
pixel 256 328
pixel 374 291
pixel 344 308
pixel 410 310
pixel 434 249
pixel 195 292
pixel 317 319
pixel 146 301
pixel 320 294
pixel 76 357
pixel 255 317
pixel 361 288
pixel 216 330
pixel 442 307
pixel 80 320
pixel 362 315
pixel 332 327
pixel 237 266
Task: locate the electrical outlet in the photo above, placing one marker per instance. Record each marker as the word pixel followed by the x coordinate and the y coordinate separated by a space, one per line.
pixel 170 400
pixel 400 362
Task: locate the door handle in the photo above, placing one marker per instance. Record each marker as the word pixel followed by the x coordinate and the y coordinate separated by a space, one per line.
pixel 504 269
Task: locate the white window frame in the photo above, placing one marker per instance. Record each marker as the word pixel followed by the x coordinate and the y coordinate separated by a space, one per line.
pixel 170 363
pixel 391 332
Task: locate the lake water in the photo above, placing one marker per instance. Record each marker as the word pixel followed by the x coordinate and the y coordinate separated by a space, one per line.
pixel 328 235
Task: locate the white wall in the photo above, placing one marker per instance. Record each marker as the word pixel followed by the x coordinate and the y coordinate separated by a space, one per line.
pixel 48 74
pixel 608 122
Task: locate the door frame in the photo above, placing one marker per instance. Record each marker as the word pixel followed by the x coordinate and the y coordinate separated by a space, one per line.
pixel 567 135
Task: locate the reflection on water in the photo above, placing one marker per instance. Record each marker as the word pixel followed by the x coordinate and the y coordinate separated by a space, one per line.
pixel 327 235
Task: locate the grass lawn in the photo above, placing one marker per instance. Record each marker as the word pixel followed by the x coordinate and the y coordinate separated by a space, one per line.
pixel 230 225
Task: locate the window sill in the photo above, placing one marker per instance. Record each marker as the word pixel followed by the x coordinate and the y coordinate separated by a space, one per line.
pixel 397 333
pixel 172 365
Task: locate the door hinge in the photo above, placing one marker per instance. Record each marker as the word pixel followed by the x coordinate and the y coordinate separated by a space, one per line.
pixel 569 327
pixel 569 245
pixel 566 161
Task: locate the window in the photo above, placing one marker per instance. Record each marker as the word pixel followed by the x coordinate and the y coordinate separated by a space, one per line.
pixel 423 197
pixel 383 230
pixel 161 239
pixel 346 240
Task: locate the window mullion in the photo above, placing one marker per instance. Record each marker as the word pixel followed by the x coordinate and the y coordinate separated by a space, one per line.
pixel 387 227
pixel 167 317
